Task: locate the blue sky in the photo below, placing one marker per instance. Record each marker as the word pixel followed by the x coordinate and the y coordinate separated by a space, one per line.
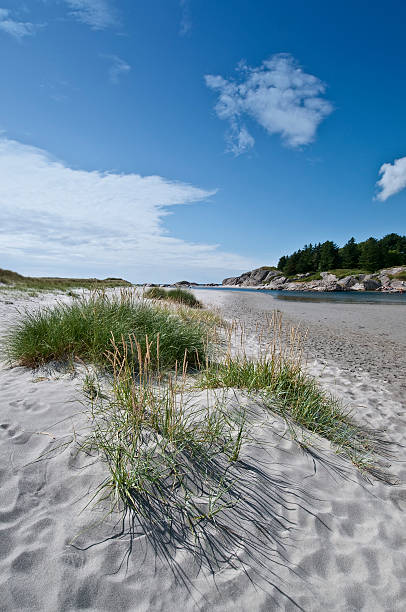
pixel 165 139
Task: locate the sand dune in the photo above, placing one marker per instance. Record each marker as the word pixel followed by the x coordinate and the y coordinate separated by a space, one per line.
pixel 307 533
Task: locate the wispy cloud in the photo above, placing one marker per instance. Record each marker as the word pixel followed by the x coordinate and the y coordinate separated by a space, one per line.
pixel 393 179
pixel 98 14
pixel 16 28
pixel 118 67
pixel 186 19
pixel 278 95
pixel 52 216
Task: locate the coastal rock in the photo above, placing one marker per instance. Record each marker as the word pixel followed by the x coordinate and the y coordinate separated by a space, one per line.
pixel 253 278
pixel 347 282
pixel 384 279
pixel 185 283
pixel 358 287
pixel 270 278
pixel 371 284
pixel 398 284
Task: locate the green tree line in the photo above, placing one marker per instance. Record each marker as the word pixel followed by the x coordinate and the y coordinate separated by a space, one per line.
pixel 370 255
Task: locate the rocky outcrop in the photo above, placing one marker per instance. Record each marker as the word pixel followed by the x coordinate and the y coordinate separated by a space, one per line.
pixel 270 278
pixel 185 283
pixel 254 278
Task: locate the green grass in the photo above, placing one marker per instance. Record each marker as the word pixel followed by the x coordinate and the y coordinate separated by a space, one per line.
pixel 343 272
pixel 89 327
pixel 339 273
pixel 26 283
pixel 168 459
pixel 181 296
pixel 305 279
pixel 285 389
pixel 8 276
pixel 398 276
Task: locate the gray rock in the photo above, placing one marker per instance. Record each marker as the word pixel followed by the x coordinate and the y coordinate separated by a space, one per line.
pixel 273 279
pixel 398 284
pixel 385 280
pixel 347 282
pixel 371 284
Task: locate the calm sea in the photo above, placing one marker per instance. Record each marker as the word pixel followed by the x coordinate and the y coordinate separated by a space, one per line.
pixel 347 297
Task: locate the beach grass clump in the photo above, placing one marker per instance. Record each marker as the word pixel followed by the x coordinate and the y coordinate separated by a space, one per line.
pixel 180 296
pixel 168 458
pixel 276 377
pixel 286 389
pixel 87 328
pixel 155 293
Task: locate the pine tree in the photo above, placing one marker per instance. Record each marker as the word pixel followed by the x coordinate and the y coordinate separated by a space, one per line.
pixel 350 254
pixel 329 258
pixel 282 262
pixel 371 256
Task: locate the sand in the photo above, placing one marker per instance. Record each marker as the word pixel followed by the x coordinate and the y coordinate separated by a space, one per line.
pixel 309 533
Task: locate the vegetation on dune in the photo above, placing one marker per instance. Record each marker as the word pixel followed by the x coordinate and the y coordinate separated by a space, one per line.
pixel 86 328
pixel 298 398
pixel 27 283
pixel 8 276
pixel 278 379
pixel 178 295
pixel 168 459
pixel 368 256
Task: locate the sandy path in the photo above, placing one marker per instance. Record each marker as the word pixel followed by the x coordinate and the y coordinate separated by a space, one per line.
pixel 309 533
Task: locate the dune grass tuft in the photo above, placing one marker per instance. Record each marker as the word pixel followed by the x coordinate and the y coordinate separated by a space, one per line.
pixel 278 379
pixel 168 458
pixel 85 328
pixel 178 295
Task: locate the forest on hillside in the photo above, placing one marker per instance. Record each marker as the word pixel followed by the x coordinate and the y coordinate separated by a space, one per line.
pixel 370 255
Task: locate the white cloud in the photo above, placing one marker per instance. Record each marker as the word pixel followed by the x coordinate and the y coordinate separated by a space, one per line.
pixel 278 95
pixel 185 20
pixel 55 217
pixel 393 178
pixel 15 28
pixel 98 14
pixel 117 68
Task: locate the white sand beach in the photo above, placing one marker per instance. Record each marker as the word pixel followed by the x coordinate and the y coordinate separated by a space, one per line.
pixel 308 533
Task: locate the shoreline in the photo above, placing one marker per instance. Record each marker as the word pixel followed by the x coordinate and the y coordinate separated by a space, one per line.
pixel 357 338
pixel 297 288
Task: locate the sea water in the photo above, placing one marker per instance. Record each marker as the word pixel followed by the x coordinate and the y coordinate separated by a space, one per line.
pixel 346 297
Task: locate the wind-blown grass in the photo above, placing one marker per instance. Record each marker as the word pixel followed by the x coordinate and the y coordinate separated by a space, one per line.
pixel 178 295
pixel 278 380
pixel 86 328
pixel 167 458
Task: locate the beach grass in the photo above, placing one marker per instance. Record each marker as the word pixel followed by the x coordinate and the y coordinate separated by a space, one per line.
pixel 277 378
pixel 181 296
pixel 167 456
pixel 85 329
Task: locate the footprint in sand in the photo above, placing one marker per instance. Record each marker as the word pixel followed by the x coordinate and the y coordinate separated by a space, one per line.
pixel 398 497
